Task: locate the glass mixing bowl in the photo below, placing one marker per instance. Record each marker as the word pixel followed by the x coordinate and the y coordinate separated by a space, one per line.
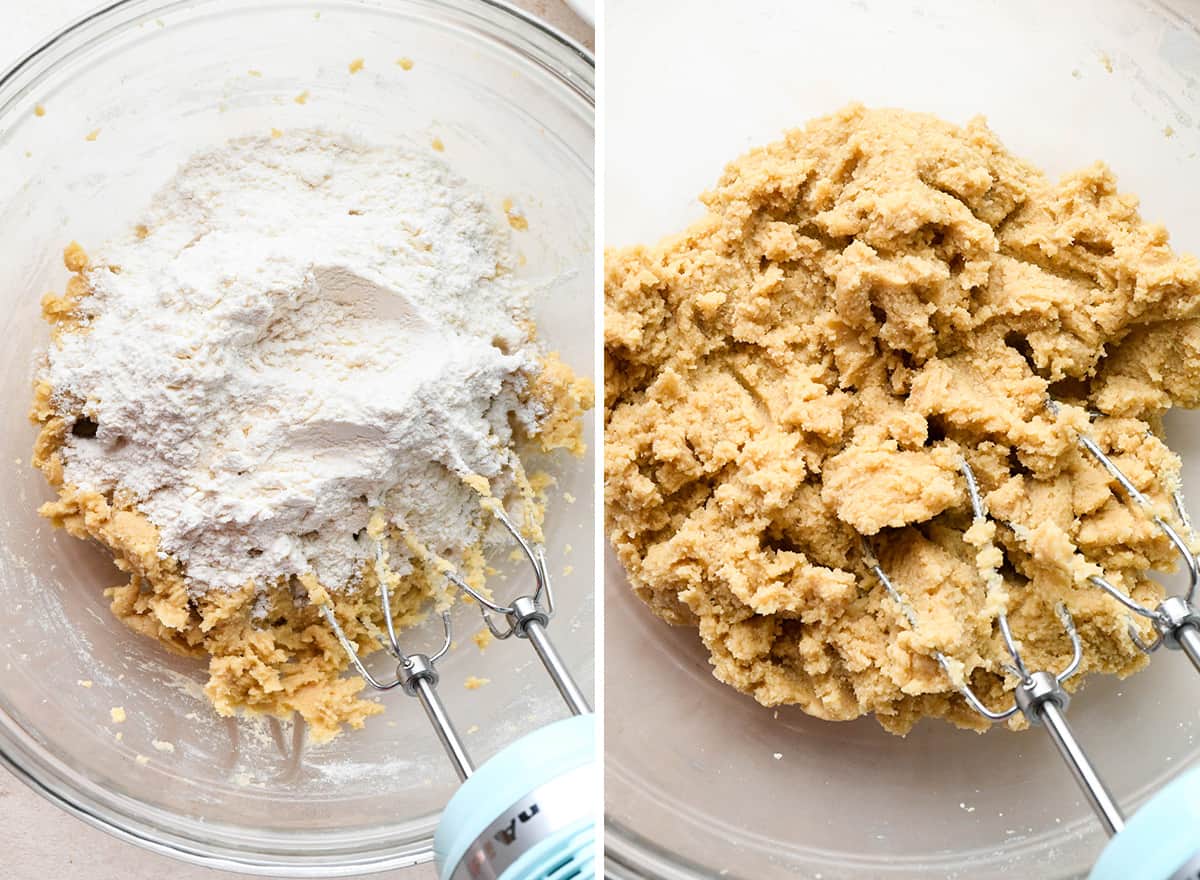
pixel 701 780
pixel 513 104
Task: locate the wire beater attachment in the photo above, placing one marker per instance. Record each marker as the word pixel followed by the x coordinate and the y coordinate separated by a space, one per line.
pixel 1039 695
pixel 1176 619
pixel 527 617
pixel 416 674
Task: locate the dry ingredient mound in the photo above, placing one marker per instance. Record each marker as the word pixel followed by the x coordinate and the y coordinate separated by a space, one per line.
pixel 866 301
pixel 298 374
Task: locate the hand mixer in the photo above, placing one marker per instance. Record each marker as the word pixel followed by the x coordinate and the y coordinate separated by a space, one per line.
pixel 529 812
pixel 1162 841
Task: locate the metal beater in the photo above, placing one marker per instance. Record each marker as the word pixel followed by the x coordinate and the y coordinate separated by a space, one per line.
pixel 1041 698
pixel 530 809
pixel 1175 619
pixel 527 616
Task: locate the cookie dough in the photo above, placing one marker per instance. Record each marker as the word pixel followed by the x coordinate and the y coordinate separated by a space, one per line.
pixel 268 648
pixel 866 302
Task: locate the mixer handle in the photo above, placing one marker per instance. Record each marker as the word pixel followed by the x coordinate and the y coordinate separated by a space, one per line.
pixel 1162 840
pixel 529 812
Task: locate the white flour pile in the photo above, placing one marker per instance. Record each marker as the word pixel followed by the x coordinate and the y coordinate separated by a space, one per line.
pixel 302 330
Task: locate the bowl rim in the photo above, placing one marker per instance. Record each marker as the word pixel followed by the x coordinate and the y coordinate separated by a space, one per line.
pixel 12 86
pixel 123 817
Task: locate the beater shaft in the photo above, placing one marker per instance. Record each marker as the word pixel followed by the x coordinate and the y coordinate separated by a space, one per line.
pixel 417 674
pixel 1090 783
pixel 425 691
pixel 561 677
pixel 1039 694
pixel 527 618
pixel 1188 638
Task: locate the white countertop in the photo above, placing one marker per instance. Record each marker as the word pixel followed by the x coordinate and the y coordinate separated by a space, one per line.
pixel 43 841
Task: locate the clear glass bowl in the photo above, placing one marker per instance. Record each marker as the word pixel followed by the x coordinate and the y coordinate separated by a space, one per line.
pixel 513 104
pixel 694 787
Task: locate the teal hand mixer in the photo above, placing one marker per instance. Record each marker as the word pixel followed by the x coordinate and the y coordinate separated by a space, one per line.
pixel 529 812
pixel 1162 840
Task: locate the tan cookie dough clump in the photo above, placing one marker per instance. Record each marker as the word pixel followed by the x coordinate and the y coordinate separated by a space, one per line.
pixel 867 301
